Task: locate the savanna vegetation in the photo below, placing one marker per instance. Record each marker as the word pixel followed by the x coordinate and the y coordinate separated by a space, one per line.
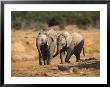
pixel 39 20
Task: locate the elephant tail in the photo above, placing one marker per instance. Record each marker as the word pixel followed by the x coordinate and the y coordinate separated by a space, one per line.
pixel 83 51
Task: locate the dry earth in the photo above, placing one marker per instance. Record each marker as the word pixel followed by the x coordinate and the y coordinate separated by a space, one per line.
pixel 25 56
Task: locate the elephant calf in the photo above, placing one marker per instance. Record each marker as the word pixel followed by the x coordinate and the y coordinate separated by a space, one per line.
pixel 46 44
pixel 72 43
pixel 43 49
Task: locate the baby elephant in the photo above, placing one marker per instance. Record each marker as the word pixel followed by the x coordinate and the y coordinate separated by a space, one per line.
pixel 46 45
pixel 42 42
pixel 72 43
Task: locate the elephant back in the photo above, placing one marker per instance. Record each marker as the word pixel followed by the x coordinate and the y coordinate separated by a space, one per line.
pixel 68 37
pixel 77 37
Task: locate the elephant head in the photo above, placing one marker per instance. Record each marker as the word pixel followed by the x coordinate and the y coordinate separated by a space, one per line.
pixel 43 38
pixel 63 41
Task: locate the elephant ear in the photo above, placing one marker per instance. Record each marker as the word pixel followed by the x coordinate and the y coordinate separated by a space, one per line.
pixel 68 38
pixel 49 41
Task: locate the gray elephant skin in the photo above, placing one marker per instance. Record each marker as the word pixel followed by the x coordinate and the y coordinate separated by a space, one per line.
pixel 46 44
pixel 72 43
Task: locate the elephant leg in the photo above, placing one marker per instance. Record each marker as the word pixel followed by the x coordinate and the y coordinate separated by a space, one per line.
pixel 77 50
pixel 40 60
pixel 40 55
pixel 49 58
pixel 44 62
pixel 77 57
pixel 62 53
pixel 45 58
pixel 48 61
pixel 69 54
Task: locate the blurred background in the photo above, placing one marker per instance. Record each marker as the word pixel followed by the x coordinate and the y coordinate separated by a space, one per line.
pixel 41 20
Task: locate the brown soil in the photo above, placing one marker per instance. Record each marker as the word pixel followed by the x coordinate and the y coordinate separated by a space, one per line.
pixel 25 56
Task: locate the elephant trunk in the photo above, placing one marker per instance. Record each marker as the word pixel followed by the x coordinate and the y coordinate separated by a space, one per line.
pixel 57 52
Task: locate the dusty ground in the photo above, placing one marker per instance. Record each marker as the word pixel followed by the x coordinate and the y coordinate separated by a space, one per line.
pixel 25 56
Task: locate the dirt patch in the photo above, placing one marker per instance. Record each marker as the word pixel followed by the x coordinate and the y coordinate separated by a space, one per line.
pixel 25 56
pixel 31 68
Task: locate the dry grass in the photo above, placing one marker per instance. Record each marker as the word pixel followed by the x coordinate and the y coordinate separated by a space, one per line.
pixel 25 55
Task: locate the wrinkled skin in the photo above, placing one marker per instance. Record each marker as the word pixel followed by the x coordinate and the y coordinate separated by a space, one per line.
pixel 46 44
pixel 70 43
pixel 53 34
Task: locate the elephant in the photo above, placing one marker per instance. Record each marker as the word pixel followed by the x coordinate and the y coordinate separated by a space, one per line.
pixel 46 44
pixel 71 43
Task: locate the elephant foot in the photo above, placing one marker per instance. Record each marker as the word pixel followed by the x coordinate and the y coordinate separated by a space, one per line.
pixel 40 63
pixel 62 63
pixel 48 63
pixel 67 61
pixel 77 60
